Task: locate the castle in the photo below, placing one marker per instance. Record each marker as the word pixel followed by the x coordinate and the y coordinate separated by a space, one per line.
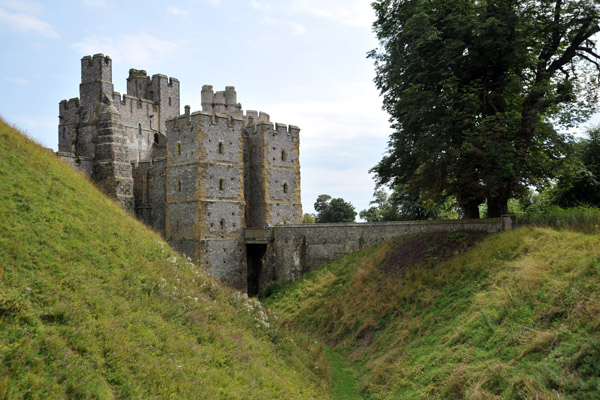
pixel 198 178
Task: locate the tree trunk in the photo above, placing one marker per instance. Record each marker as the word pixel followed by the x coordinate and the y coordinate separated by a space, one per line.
pixel 470 210
pixel 497 206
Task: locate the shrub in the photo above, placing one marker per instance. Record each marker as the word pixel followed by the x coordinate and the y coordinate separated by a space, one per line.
pixel 270 289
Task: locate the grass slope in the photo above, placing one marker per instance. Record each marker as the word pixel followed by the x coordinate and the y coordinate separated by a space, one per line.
pixel 95 305
pixel 515 317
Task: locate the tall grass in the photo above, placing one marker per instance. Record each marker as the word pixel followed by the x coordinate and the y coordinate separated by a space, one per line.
pixel 95 305
pixel 516 317
pixel 578 219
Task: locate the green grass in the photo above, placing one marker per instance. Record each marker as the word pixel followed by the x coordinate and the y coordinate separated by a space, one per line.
pixel 95 305
pixel 515 317
pixel 580 219
pixel 342 376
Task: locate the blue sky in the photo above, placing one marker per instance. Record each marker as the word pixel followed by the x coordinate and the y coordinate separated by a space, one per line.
pixel 302 61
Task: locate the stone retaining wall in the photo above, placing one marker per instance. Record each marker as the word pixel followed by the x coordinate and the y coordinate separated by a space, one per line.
pixel 294 250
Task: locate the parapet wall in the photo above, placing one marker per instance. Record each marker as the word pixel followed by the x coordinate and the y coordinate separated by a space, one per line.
pixel 298 249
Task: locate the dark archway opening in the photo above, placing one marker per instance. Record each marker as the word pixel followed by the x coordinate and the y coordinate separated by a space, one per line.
pixel 254 256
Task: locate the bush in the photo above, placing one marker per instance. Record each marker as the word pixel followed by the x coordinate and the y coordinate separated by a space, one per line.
pixel 270 289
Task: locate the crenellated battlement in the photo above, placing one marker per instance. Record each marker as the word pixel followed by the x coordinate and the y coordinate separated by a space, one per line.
pixel 139 84
pixel 71 104
pixel 128 101
pixel 252 116
pixel 276 128
pixel 170 80
pixel 284 129
pixel 96 58
pixel 201 120
pixel 96 68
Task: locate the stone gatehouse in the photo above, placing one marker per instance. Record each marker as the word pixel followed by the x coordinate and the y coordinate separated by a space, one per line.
pixel 199 178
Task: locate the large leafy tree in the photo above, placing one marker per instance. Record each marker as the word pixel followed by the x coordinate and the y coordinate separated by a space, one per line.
pixel 475 91
pixel 403 205
pixel 333 210
pixel 580 184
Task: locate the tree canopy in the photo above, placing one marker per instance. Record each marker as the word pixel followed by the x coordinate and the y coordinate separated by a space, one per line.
pixel 333 210
pixel 580 184
pixel 477 90
pixel 403 205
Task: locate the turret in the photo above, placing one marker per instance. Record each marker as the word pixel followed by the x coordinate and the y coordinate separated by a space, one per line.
pixel 164 91
pixel 96 80
pixel 207 98
pixel 137 84
pixel 230 96
pixel 219 103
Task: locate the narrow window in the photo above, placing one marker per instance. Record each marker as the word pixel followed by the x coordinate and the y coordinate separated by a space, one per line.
pixel 221 148
pixel 178 149
pixel 156 138
pixel 169 101
pixel 64 133
pixel 144 188
pixel 283 155
pixel 221 184
pixel 140 128
pixel 222 224
pixel 179 185
pixel 285 188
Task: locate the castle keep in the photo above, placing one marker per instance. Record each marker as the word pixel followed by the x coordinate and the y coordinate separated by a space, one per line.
pixel 198 178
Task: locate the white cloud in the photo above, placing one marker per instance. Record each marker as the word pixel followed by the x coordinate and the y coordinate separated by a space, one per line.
pixel 354 185
pixel 26 7
pixel 140 49
pixel 17 81
pixel 261 6
pixel 180 12
pixel 350 109
pixel 297 29
pixel 346 12
pixel 26 17
pixel 343 134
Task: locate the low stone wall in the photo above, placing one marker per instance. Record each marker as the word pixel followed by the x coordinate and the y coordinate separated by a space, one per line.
pixel 294 250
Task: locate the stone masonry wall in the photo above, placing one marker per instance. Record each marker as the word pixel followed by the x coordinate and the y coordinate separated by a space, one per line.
pixel 297 249
pixel 149 179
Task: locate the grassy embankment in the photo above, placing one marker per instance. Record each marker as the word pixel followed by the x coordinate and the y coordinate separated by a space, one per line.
pixel 95 305
pixel 515 317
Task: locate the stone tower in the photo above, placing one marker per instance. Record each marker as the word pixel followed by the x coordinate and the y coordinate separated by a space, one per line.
pixel 102 133
pixel 272 174
pixel 205 193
